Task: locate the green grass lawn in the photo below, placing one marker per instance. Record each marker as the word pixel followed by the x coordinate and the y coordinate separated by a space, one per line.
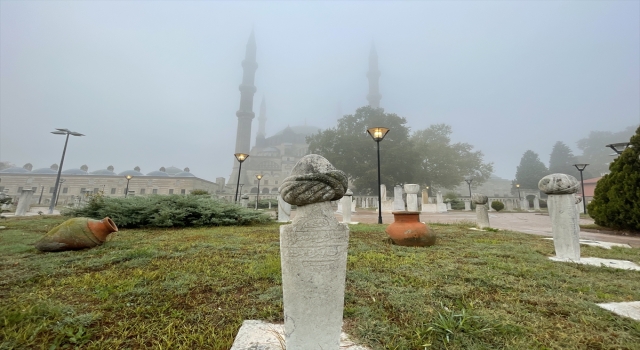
pixel 192 288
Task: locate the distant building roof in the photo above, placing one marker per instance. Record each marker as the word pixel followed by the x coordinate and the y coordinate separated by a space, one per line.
pixel 172 170
pixel 74 172
pixel 305 130
pixel 44 171
pixel 158 173
pixel 103 172
pixel 15 170
pixel 131 172
pixel 184 174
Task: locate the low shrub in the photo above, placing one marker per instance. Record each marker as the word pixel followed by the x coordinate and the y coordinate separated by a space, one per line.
pixel 497 205
pixel 167 211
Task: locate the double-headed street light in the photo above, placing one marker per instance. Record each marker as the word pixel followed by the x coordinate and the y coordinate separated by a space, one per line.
pixel 580 168
pixel 469 180
pixel 378 133
pixel 241 157
pixel 259 177
pixel 67 132
pixel 126 191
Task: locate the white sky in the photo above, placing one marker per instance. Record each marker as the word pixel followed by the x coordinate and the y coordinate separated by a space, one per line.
pixel 155 83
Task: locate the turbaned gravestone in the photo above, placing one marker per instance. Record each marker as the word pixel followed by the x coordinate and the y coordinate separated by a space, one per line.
pixel 313 250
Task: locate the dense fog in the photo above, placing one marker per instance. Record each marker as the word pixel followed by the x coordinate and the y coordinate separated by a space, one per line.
pixel 155 84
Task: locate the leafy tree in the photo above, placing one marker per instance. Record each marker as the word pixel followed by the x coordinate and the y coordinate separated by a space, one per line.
pixel 562 160
pixel 427 157
pixel 594 151
pixel 444 164
pixel 349 148
pixel 616 201
pixel 530 170
pixel 497 205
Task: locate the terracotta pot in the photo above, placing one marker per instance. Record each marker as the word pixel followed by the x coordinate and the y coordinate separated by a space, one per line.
pixel 77 233
pixel 407 230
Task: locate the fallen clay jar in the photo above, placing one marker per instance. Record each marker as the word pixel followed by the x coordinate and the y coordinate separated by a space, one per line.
pixel 407 230
pixel 77 233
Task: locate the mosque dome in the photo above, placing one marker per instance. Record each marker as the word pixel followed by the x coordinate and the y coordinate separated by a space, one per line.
pixel 15 170
pixel 103 172
pixel 74 172
pixel 305 130
pixel 184 174
pixel 172 170
pixel 131 172
pixel 44 171
pixel 157 173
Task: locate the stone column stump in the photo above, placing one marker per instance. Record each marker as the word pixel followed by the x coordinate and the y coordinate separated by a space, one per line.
pixel 346 207
pixel 412 196
pixel 482 217
pixel 24 202
pixel 398 202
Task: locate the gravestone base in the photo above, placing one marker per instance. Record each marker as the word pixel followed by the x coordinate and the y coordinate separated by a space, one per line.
pixel 259 335
pixel 429 208
pixel 629 309
pixel 617 264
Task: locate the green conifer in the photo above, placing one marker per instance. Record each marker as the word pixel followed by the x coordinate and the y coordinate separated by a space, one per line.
pixel 616 201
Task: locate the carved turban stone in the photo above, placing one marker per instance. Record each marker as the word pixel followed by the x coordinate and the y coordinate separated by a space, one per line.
pixel 478 198
pixel 313 180
pixel 558 184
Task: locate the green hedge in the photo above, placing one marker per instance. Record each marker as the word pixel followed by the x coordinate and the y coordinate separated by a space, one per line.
pixel 167 211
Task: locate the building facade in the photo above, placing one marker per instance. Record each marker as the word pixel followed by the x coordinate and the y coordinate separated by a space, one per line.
pixel 78 183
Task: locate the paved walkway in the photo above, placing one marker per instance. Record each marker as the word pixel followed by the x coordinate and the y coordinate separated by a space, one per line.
pixel 532 223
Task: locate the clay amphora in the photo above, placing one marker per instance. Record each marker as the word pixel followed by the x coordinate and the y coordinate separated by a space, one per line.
pixel 77 233
pixel 407 230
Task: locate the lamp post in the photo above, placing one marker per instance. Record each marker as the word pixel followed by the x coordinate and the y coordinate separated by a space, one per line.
pixel 617 147
pixel 58 195
pixel 259 177
pixel 241 157
pixel 469 181
pixel 580 168
pixel 126 191
pixel 378 133
pixel 41 192
pixel 64 150
pixel 518 186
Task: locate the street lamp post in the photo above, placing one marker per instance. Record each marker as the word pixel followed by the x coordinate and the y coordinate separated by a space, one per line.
pixel 241 157
pixel 64 150
pixel 469 181
pixel 126 191
pixel 618 147
pixel 58 195
pixel 259 177
pixel 378 133
pixel 518 186
pixel 580 168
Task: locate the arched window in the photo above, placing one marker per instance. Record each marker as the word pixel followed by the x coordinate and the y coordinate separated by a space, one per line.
pixel 274 190
pixel 254 190
pixel 265 191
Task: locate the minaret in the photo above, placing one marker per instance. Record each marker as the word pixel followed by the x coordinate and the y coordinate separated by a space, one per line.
pixel 245 112
pixel 373 75
pixel 247 90
pixel 262 119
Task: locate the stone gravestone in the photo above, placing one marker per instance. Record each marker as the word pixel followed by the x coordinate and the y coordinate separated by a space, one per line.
pixel 412 196
pixel 425 198
pixel 398 202
pixel 339 210
pixel 383 192
pixel 561 189
pixel 482 217
pixel 346 206
pixel 313 253
pixel 244 200
pixel 467 205
pixel 509 204
pixel 442 208
pixel 448 205
pixel 284 210
pixel 353 205
pixel 536 203
pixel 24 202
